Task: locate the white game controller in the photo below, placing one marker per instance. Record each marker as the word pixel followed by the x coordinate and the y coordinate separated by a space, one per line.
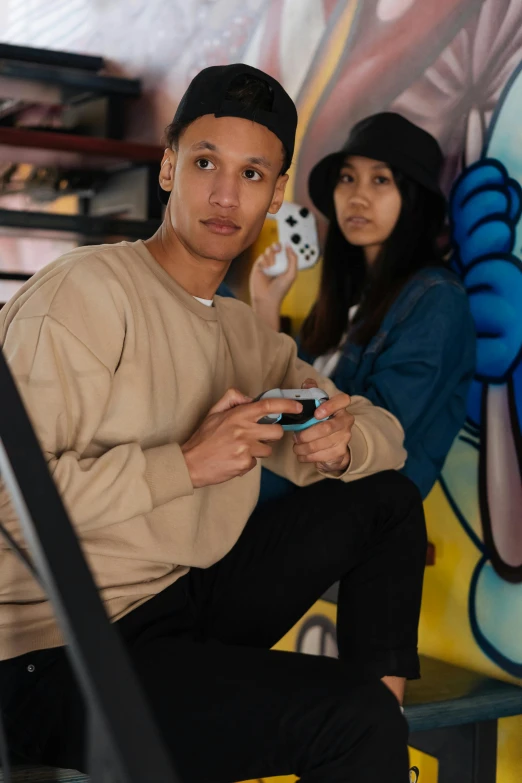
pixel 296 227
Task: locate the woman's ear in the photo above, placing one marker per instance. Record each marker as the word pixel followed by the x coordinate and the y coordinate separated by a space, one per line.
pixel 279 194
pixel 167 169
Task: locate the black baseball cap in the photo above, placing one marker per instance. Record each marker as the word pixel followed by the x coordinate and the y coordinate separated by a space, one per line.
pixel 207 94
pixel 389 137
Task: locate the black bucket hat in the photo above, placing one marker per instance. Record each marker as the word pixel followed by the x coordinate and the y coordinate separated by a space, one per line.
pixel 388 137
pixel 207 94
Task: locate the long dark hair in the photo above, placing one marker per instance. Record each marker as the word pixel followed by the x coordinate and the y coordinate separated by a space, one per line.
pixel 346 280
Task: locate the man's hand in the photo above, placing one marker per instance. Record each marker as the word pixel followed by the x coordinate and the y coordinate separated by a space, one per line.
pixel 327 444
pixel 229 441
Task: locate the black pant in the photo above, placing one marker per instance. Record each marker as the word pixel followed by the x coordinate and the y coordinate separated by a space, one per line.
pixel 227 706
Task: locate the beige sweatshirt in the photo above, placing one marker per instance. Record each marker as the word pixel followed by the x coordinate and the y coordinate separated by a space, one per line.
pixel 117 366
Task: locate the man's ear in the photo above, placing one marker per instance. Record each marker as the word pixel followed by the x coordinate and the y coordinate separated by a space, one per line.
pixel 167 169
pixel 279 194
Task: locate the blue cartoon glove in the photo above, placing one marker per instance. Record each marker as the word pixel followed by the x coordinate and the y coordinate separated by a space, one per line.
pixel 485 207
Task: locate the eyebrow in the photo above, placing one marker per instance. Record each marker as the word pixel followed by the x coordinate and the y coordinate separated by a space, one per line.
pixel 204 145
pixel 260 161
pixel 257 160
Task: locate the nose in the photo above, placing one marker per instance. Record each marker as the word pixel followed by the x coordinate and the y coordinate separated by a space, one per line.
pixel 225 190
pixel 359 194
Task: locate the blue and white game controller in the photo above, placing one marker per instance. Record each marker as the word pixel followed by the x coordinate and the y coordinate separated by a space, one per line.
pixel 310 399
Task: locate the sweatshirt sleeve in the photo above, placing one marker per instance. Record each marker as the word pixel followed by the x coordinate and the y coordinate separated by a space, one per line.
pixel 377 436
pixel 66 388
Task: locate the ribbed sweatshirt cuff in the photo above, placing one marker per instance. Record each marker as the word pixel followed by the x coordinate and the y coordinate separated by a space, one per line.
pixel 167 474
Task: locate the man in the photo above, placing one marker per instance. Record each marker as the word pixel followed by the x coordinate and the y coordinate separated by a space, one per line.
pixel 140 385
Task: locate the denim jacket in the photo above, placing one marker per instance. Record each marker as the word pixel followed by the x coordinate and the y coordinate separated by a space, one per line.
pixel 418 366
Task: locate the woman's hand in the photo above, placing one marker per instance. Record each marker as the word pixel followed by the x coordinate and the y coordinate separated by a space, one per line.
pixel 267 293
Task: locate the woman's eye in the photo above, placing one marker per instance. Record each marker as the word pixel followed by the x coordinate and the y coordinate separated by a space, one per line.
pixel 253 175
pixel 345 178
pixel 205 164
pixel 382 180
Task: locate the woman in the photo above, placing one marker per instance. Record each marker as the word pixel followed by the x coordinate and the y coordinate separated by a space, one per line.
pixel 391 322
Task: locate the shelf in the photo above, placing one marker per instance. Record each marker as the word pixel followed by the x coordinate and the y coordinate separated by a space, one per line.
pixel 49 224
pixel 68 150
pixel 30 54
pixel 80 85
pixel 21 276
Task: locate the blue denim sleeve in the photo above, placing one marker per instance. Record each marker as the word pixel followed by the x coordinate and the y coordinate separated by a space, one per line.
pixel 425 357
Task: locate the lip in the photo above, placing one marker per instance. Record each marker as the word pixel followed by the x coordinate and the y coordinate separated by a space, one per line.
pixel 358 221
pixel 222 226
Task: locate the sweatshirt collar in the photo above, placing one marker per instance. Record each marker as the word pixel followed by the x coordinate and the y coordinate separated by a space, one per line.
pixel 192 304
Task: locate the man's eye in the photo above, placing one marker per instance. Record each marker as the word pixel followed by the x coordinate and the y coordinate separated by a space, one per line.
pixel 205 164
pixel 252 174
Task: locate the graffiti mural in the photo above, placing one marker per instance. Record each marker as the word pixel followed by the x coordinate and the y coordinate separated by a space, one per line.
pixel 455 68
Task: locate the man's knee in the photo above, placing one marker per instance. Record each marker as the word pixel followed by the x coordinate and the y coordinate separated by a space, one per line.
pixel 402 499
pixel 397 487
pixel 389 487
